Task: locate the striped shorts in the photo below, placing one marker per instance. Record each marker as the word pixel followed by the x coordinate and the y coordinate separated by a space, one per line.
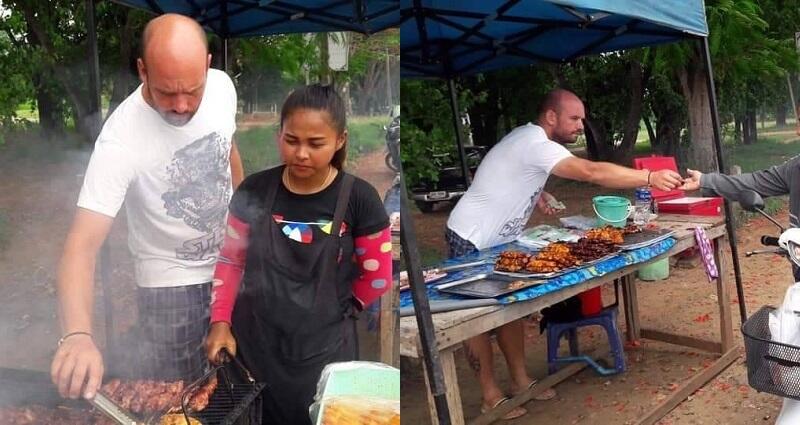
pixel 456 245
pixel 167 342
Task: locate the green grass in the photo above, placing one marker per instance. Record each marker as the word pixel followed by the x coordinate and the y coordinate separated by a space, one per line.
pixel 28 112
pixel 767 151
pixel 258 147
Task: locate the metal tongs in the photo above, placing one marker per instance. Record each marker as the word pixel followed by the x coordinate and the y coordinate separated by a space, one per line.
pixel 112 410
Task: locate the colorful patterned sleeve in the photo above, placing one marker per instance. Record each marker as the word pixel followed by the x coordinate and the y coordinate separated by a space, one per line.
pixel 229 269
pixel 374 256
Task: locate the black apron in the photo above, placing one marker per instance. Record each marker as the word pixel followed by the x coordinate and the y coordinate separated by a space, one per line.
pixel 294 315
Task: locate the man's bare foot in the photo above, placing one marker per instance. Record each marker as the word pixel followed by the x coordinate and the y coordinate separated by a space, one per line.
pixel 545 395
pixel 513 414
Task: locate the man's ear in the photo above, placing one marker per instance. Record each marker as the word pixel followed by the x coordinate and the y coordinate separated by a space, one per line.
pixel 551 117
pixel 142 70
pixel 208 61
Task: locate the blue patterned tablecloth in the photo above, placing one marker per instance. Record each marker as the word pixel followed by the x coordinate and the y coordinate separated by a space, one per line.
pixel 623 259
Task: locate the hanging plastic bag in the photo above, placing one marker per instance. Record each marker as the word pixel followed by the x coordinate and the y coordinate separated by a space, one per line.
pixel 784 326
pixel 354 393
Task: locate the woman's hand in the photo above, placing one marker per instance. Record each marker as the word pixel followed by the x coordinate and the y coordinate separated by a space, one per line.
pixel 219 337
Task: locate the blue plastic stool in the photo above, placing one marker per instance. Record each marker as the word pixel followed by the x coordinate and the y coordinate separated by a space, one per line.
pixel 607 318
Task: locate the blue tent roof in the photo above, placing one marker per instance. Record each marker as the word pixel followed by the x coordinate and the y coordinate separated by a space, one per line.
pixel 445 38
pixel 243 18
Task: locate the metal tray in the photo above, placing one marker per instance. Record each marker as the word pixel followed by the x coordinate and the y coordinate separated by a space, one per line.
pixel 491 286
pixel 535 275
pixel 644 238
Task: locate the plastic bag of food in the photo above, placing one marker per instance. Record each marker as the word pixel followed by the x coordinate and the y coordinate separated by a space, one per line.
pixel 357 393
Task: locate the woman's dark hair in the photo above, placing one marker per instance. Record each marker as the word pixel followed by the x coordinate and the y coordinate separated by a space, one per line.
pixel 320 98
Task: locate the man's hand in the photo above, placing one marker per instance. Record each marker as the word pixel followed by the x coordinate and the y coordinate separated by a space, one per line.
pixel 665 180
pixel 77 360
pixel 219 337
pixel 548 204
pixel 693 181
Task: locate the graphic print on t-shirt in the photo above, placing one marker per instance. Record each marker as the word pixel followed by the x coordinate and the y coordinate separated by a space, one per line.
pixel 199 192
pixel 303 231
pixel 515 226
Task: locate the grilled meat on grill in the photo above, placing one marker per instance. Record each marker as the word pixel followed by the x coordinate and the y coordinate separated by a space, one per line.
pixel 40 415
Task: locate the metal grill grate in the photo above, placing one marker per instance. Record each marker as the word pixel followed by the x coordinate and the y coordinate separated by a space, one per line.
pixel 772 367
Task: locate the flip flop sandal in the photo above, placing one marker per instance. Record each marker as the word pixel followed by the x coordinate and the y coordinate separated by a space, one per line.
pixel 547 394
pixel 513 414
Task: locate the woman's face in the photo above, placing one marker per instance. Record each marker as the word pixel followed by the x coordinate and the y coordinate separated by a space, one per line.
pixel 307 142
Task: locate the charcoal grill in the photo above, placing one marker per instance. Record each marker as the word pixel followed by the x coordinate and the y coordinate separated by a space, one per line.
pixel 232 403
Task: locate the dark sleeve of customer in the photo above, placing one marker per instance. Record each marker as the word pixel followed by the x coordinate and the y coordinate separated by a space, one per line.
pixel 773 181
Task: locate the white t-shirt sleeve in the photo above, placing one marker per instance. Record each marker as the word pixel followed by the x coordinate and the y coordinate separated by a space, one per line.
pixel 229 91
pixel 546 155
pixel 108 176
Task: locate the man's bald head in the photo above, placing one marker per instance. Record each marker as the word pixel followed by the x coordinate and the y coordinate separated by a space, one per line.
pixel 561 116
pixel 173 67
pixel 554 100
pixel 172 27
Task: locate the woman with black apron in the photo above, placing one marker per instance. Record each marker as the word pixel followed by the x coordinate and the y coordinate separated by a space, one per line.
pixel 311 247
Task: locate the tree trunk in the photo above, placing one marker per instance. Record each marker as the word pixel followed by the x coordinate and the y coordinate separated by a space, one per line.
pixel 701 154
pixel 750 127
pixel 738 128
pixel 624 152
pixel 651 133
pixel 595 140
pixel 51 121
pixel 125 76
pixel 77 99
pixel 780 114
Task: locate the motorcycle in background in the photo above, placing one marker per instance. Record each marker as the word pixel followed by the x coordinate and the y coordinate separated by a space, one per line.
pixel 393 144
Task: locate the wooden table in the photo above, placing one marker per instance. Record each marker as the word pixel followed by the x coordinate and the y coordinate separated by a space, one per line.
pixel 452 328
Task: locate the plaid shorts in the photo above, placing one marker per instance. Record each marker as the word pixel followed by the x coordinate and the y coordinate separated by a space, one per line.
pixel 168 341
pixel 456 245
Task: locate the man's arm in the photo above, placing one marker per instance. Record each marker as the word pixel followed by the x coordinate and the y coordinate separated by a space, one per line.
pixel 78 359
pixel 614 176
pixel 237 169
pixel 773 181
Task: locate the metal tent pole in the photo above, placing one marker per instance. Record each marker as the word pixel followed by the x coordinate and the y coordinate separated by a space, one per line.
pixel 95 122
pixel 451 86
pixel 225 54
pixel 712 96
pixel 422 309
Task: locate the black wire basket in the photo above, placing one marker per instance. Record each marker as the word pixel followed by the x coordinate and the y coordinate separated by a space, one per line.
pixel 772 367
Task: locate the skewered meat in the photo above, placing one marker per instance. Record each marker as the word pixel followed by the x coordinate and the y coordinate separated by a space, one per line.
pixel 607 233
pixel 512 261
pixel 199 399
pixel 144 396
pixel 147 396
pixel 632 229
pixel 557 256
pixel 39 415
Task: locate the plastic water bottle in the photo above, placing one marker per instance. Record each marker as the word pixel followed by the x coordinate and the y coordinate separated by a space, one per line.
pixel 642 206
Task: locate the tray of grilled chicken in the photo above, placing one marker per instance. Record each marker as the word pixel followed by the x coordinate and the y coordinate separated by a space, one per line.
pixel 558 258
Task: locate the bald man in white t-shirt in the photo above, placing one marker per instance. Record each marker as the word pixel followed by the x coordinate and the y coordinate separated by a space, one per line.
pixel 507 186
pixel 167 154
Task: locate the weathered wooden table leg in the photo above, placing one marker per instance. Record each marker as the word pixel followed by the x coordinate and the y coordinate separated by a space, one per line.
pixel 631 305
pixel 453 392
pixel 389 325
pixel 723 296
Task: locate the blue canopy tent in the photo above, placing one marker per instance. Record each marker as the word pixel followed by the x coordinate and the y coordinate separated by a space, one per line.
pixel 448 38
pixel 239 18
